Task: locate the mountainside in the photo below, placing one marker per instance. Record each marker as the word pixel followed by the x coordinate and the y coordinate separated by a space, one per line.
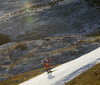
pixel 35 29
pixel 76 17
pixel 16 58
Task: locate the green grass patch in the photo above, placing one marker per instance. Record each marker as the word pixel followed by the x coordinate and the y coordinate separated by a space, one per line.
pixel 89 77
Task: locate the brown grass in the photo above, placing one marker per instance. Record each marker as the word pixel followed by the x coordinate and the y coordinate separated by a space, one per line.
pixel 4 39
pixel 70 1
pixel 89 77
pixel 23 77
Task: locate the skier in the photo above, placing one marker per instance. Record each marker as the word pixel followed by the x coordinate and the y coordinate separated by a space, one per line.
pixel 46 64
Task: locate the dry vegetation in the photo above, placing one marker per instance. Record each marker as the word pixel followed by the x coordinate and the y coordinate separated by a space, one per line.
pixel 24 54
pixel 4 39
pixel 89 77
pixel 23 77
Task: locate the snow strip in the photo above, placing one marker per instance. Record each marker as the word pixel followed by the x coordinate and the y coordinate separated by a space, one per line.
pixel 66 71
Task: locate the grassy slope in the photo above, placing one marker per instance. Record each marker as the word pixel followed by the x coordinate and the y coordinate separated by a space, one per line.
pixel 89 77
pixel 28 75
pixel 23 77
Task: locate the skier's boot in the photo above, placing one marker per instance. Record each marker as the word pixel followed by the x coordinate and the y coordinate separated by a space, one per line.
pixel 48 71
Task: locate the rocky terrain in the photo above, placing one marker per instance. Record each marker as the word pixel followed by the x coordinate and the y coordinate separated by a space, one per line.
pixel 76 17
pixel 63 32
pixel 16 58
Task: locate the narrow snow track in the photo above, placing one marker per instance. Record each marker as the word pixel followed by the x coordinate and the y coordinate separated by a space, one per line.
pixel 66 71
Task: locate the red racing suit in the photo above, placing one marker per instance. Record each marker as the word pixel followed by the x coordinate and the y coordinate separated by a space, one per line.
pixel 46 63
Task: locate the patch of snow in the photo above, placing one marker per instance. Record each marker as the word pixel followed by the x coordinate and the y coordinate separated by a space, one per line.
pixel 66 71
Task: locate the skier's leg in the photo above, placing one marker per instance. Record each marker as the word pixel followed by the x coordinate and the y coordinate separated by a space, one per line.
pixel 47 69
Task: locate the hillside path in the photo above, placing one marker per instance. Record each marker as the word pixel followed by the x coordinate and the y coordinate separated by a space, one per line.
pixel 66 71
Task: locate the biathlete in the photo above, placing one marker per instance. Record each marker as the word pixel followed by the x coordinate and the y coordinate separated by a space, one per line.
pixel 46 64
